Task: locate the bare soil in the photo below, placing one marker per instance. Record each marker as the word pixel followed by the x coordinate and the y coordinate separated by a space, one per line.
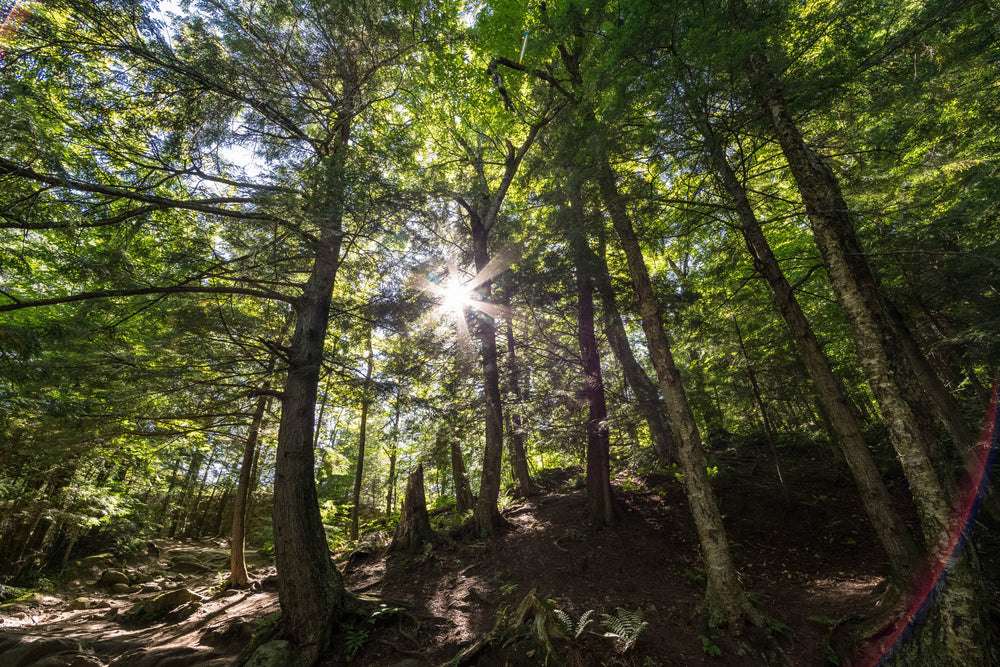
pixel 806 563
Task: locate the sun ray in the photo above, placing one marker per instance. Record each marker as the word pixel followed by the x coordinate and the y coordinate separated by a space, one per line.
pixel 500 262
pixel 458 299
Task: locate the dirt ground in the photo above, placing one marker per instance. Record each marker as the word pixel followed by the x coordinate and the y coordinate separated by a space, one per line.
pixel 805 563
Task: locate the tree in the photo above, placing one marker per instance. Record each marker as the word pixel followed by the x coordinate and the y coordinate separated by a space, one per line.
pixel 876 335
pixel 603 508
pixel 647 395
pixel 303 108
pixel 482 209
pixel 884 517
pixel 512 385
pixel 366 400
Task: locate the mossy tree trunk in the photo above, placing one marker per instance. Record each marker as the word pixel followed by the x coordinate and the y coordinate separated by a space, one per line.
pixel 483 211
pixel 600 497
pixel 888 525
pixel 310 589
pixel 515 426
pixel 886 366
pixel 647 395
pixel 725 601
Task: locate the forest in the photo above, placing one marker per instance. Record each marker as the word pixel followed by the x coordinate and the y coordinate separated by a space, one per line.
pixel 680 319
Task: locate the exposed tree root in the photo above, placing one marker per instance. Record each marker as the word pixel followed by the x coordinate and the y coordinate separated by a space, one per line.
pixel 533 619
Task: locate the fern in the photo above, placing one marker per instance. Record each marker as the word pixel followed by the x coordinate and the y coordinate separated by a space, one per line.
pixel 624 627
pixel 566 623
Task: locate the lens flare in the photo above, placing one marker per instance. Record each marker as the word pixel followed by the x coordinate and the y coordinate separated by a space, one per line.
pixel 932 576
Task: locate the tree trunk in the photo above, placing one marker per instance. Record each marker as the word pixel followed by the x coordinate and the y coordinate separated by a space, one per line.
pixel 948 411
pixel 600 498
pixel 706 404
pixel 486 518
pixel 464 500
pixel 764 418
pixel 362 439
pixel 414 528
pixel 219 526
pixel 882 358
pixel 310 589
pixel 886 521
pixel 190 527
pixel 879 350
pixel 165 508
pixel 393 453
pixel 199 529
pixel 515 427
pixel 603 509
pixel 725 601
pixel 483 214
pixel 647 396
pixel 237 540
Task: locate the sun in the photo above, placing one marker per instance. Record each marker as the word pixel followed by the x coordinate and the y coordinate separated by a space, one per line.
pixel 454 296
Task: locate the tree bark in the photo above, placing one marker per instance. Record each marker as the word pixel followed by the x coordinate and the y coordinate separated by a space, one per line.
pixel 515 427
pixel 483 214
pixel 359 469
pixel 888 524
pixel 600 497
pixel 886 366
pixel 647 396
pixel 464 500
pixel 393 453
pixel 310 589
pixel 879 350
pixel 764 417
pixel 486 518
pixel 725 601
pixel 414 529
pixel 237 541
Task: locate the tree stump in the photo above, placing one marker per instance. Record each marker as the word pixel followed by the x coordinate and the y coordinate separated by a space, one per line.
pixel 414 524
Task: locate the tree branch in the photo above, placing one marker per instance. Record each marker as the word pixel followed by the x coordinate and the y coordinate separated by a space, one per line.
pixel 179 289
pixel 10 168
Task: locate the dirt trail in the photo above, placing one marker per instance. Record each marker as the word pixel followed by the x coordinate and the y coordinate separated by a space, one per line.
pixel 806 565
pixel 87 625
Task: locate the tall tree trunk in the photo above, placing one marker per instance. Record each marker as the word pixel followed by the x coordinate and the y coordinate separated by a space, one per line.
pixel 948 411
pixel 393 453
pixel 883 360
pixel 603 509
pixel 483 214
pixel 515 427
pixel 237 540
pixel 725 601
pixel 486 517
pixel 886 521
pixel 219 528
pixel 190 527
pixel 165 508
pixel 647 396
pixel 464 500
pixel 359 469
pixel 310 589
pixel 881 355
pixel 199 528
pixel 764 417
pixel 707 403
pixel 600 498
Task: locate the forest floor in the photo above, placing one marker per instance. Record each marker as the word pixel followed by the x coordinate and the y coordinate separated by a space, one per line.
pixel 806 564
